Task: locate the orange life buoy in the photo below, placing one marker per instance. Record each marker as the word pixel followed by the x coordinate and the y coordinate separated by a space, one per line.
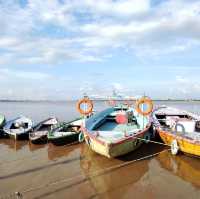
pixel 89 106
pixel 144 100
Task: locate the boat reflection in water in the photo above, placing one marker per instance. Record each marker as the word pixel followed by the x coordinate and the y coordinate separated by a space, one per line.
pixel 187 168
pixel 115 182
pixel 13 144
pixel 35 147
pixel 57 152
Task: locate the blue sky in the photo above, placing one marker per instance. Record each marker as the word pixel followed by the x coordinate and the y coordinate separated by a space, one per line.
pixel 59 49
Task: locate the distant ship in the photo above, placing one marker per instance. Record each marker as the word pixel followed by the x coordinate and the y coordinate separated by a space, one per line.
pixel 115 96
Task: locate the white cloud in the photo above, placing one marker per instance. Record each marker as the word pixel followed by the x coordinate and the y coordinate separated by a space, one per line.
pixel 51 33
pixel 117 86
pixel 7 74
pixel 186 87
pixel 121 7
pixel 181 79
pixel 88 30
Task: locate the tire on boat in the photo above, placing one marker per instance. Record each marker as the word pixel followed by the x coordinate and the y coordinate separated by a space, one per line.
pixel 147 137
pixel 182 128
pixel 81 137
pixel 174 147
pixel 87 140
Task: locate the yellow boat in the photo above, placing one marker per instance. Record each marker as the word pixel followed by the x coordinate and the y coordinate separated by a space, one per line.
pixel 178 128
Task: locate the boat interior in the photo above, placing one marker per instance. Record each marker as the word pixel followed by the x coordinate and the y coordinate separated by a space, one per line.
pixel 191 126
pixel 66 129
pixel 162 118
pixel 109 123
pixel 21 125
pixel 44 127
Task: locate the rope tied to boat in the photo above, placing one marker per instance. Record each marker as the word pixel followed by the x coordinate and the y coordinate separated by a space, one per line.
pixel 151 141
pixel 19 195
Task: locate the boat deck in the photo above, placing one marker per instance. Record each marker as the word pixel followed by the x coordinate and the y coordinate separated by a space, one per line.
pixel 113 132
pixel 113 126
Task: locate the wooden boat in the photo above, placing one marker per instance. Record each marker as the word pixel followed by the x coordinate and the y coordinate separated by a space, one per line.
pixel 2 122
pixel 178 128
pixel 18 128
pixel 107 135
pixel 40 131
pixel 65 133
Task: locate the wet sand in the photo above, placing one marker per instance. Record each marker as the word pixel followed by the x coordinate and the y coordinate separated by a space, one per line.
pixel 48 171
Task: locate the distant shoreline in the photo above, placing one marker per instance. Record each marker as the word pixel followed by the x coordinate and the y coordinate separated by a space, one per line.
pixel 72 100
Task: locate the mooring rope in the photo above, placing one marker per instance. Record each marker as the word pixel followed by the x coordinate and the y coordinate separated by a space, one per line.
pixel 151 141
pixel 19 194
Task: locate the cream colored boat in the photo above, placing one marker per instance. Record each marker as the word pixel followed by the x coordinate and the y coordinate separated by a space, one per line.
pixel 116 131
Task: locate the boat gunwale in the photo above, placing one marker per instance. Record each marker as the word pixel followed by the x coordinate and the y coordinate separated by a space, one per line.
pixel 178 137
pixel 160 128
pixel 125 139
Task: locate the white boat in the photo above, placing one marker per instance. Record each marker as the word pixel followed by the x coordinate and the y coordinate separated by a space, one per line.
pixel 18 128
pixel 66 133
pixel 40 131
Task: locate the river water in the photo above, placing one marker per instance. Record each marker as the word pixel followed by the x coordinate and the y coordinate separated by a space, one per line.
pixel 47 171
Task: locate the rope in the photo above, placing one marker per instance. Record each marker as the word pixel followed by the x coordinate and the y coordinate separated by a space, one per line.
pixel 153 142
pixel 94 174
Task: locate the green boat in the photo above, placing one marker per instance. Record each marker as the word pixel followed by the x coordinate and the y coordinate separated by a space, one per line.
pixel 66 133
pixel 2 122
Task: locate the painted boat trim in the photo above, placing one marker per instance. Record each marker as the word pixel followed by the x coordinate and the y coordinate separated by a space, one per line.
pixel 132 137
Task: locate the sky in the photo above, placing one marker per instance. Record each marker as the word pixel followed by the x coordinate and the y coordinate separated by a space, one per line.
pixel 60 49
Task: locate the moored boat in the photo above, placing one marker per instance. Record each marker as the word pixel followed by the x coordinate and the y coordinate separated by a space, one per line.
pixel 18 128
pixel 40 131
pixel 116 131
pixel 178 128
pixel 2 122
pixel 66 133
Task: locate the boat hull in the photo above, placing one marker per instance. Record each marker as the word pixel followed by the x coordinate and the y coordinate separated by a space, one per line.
pixel 22 136
pixel 117 149
pixel 185 145
pixel 64 140
pixel 39 140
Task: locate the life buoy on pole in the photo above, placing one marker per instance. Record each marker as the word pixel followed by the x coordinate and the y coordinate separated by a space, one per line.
pixel 87 102
pixel 148 102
